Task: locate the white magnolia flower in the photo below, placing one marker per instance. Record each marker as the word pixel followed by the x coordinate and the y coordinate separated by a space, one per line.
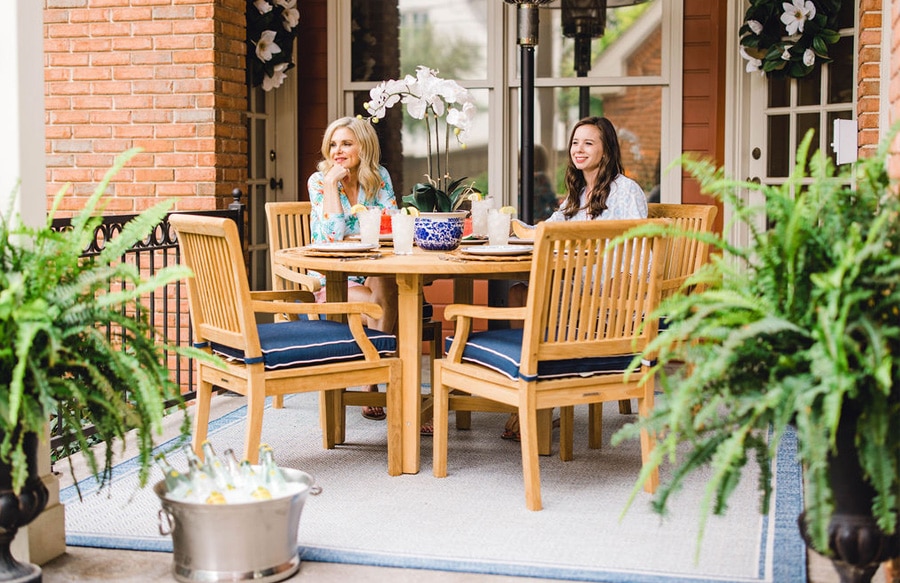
pixel 809 57
pixel 796 13
pixel 263 6
pixel 266 46
pixel 786 54
pixel 290 14
pixel 755 26
pixel 276 79
pixel 753 64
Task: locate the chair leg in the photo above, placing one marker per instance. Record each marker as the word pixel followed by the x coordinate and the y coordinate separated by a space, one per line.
pixel 441 396
pixel 625 407
pixel 278 402
pixel 566 433
pixel 201 418
pixel 648 442
pixel 545 431
pixel 256 402
pixel 595 425
pixel 394 405
pixel 328 417
pixel 528 430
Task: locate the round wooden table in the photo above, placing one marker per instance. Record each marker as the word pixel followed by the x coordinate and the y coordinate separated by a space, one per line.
pixel 411 273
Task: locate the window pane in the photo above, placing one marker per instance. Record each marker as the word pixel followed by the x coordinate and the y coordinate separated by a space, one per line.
pixel 806 122
pixel 779 92
pixel 392 37
pixel 809 88
pixel 779 160
pixel 634 31
pixel 840 72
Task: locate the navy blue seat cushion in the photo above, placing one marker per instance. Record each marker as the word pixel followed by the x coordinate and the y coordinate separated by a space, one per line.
pixel 501 350
pixel 427 311
pixel 309 342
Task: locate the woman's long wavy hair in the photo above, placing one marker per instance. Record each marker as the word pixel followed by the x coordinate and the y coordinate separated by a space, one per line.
pixel 369 154
pixel 610 168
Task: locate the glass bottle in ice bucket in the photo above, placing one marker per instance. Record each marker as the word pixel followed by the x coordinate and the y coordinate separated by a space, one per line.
pixel 273 479
pixel 177 484
pixel 215 467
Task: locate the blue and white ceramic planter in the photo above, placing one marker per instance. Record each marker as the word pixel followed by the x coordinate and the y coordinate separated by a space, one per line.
pixel 439 231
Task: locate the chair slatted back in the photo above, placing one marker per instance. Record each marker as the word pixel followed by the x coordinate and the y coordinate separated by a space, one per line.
pixel 218 292
pixel 588 296
pixel 685 255
pixel 288 226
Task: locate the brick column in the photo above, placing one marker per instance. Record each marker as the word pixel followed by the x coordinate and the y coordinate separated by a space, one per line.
pixel 163 75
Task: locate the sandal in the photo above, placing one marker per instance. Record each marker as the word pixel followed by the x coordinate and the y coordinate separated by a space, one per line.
pixel 511 431
pixel 374 413
pixel 427 429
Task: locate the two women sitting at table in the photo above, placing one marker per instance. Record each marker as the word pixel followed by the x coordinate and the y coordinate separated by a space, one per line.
pixel 350 174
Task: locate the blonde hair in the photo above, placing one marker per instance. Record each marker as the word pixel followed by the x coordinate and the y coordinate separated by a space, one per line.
pixel 369 154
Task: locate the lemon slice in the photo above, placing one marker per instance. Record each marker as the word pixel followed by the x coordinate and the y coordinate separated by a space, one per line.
pixel 410 210
pixel 508 210
pixel 358 208
pixel 474 196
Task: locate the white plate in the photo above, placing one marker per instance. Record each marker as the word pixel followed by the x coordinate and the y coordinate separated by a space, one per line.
pixel 381 237
pixel 499 250
pixel 342 246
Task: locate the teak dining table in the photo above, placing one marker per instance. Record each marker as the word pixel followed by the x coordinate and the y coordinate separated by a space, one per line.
pixel 412 272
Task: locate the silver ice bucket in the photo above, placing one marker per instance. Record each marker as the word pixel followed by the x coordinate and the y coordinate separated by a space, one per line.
pixel 253 541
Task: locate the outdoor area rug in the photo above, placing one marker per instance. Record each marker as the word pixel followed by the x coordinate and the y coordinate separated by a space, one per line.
pixel 475 519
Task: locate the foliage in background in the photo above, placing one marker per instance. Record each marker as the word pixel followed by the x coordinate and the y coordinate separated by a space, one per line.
pixel 794 328
pixel 77 346
pixel 271 30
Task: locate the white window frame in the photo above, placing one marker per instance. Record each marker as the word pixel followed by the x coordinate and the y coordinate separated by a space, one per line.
pixel 502 86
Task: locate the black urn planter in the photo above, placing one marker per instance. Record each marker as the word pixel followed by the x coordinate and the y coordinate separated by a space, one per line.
pixel 856 546
pixel 18 510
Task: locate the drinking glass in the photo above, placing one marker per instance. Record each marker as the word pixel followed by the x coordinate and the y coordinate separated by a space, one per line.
pixel 403 229
pixel 369 225
pixel 498 227
pixel 480 210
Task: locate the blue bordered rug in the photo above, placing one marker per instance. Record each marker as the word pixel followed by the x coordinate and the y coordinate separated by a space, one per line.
pixel 475 519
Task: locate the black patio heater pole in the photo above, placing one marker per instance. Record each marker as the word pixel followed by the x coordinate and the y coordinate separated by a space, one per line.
pixel 583 20
pixel 527 17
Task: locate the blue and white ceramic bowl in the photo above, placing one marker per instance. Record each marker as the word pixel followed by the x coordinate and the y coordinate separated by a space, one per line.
pixel 439 231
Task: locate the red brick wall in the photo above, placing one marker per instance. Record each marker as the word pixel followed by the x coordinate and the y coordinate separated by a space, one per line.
pixel 163 75
pixel 868 104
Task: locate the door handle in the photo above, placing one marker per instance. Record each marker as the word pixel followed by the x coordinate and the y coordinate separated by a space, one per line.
pixel 276 184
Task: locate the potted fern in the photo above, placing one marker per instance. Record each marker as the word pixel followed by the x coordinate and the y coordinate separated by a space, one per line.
pixel 796 331
pixel 77 350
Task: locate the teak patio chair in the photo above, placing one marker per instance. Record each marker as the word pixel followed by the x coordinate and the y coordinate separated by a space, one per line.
pixel 583 324
pixel 289 226
pixel 271 359
pixel 684 255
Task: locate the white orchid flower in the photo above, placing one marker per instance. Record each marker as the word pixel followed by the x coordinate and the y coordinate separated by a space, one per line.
pixel 809 57
pixel 796 13
pixel 276 79
pixel 755 26
pixel 266 46
pixel 786 54
pixel 263 6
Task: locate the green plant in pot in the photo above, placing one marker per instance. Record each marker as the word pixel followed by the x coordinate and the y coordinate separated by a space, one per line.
pixel 795 331
pixel 78 348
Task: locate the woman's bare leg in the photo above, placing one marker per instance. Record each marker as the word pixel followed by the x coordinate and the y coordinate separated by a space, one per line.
pixel 381 291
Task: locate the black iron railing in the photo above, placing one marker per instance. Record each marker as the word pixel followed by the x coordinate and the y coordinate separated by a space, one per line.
pixel 166 307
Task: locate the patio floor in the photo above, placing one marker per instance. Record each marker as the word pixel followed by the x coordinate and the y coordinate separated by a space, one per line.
pixel 82 565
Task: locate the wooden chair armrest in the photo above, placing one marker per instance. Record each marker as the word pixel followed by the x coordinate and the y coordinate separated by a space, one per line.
pixel 310 307
pixel 308 282
pixel 485 312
